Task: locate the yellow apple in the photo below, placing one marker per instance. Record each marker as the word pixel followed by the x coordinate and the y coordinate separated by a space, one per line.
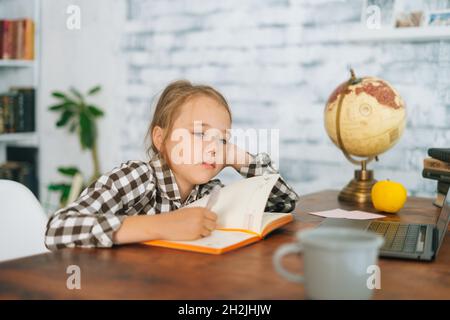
pixel 388 196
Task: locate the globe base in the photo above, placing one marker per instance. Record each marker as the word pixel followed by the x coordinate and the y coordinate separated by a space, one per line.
pixel 358 190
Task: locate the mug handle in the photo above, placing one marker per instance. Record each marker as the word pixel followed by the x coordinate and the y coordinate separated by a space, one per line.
pixel 282 251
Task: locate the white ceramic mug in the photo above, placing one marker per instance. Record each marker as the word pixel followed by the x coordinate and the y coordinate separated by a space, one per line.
pixel 336 262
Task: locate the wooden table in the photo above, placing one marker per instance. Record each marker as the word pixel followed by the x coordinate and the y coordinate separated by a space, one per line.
pixel 142 272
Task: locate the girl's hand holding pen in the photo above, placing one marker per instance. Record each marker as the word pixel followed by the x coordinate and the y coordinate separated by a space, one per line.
pixel 188 224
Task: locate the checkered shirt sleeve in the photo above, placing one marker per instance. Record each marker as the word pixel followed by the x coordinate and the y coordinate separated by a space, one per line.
pixel 282 197
pixel 92 219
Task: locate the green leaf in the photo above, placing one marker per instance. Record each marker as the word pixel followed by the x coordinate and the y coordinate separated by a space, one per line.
pixel 68 171
pixel 61 106
pixel 56 107
pixel 87 131
pixel 56 186
pixel 65 117
pixel 94 90
pixel 77 94
pixel 59 95
pixel 95 111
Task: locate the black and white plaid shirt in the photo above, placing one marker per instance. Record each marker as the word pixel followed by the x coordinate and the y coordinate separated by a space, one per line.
pixel 138 187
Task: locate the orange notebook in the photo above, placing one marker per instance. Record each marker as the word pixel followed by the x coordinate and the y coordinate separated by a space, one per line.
pixel 241 217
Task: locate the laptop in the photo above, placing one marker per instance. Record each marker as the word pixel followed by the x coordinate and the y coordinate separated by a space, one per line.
pixel 403 240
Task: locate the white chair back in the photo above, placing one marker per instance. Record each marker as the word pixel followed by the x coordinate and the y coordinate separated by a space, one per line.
pixel 22 222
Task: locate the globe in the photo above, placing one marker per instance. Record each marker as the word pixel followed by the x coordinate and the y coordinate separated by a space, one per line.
pixel 364 117
pixel 373 116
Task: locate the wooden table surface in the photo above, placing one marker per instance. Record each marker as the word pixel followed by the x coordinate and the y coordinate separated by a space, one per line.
pixel 142 272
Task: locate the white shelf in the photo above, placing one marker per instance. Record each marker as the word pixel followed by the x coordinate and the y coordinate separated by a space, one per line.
pixel 29 138
pixel 362 34
pixel 19 72
pixel 16 63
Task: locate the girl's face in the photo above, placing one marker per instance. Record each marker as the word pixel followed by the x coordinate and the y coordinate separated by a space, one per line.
pixel 196 146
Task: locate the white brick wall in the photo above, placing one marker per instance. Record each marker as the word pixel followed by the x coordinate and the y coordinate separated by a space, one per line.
pixel 255 53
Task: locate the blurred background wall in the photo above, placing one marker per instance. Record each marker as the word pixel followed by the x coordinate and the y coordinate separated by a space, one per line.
pixel 276 61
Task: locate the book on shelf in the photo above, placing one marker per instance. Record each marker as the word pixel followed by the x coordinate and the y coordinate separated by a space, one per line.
pixel 7 103
pixel 241 217
pixel 17 39
pixel 22 166
pixel 17 110
pixel 16 171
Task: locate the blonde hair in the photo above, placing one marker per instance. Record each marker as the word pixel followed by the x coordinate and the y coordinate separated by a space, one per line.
pixel 169 105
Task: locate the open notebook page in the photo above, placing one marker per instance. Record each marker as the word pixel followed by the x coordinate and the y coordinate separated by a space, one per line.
pixel 241 204
pixel 269 217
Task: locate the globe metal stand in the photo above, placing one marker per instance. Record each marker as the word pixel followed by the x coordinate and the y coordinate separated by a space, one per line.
pixel 358 190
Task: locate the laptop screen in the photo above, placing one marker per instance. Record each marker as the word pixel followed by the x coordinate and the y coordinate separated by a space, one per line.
pixel 442 223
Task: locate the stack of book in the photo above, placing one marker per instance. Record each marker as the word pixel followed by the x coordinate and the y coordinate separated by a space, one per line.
pixel 17 39
pixel 437 167
pixel 17 110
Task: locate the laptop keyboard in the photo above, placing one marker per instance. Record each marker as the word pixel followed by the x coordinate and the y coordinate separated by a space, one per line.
pixel 398 237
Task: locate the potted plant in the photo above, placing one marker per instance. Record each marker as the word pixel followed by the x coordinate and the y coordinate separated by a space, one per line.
pixel 79 116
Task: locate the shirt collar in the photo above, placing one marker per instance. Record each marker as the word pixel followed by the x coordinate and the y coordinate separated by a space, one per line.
pixel 166 182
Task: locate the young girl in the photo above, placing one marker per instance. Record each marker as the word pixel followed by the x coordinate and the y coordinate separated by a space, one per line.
pixel 141 201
